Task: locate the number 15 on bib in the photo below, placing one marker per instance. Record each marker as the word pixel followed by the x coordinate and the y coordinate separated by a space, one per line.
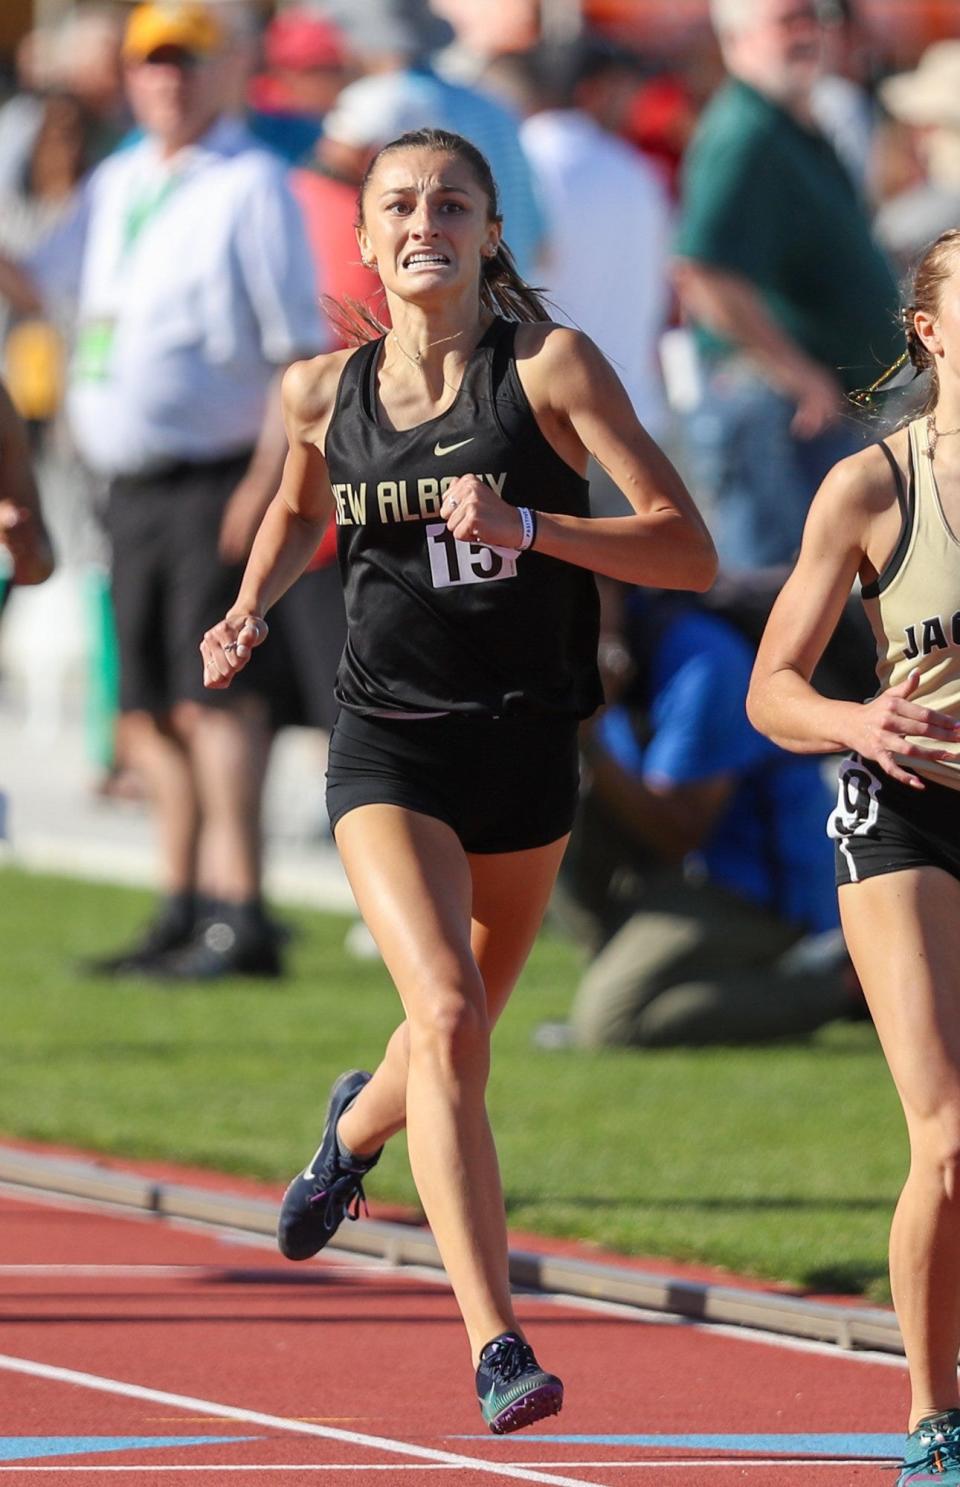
pixel 453 562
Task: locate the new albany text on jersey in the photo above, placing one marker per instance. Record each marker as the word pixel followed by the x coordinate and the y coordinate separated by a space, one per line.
pixel 398 500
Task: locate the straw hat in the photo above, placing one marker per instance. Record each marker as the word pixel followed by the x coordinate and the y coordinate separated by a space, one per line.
pixel 931 93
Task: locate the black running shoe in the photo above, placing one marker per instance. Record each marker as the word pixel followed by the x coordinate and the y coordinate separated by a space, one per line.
pixel 512 1388
pixel 327 1191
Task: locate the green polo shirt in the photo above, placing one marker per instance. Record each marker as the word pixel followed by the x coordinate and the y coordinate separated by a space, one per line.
pixel 766 198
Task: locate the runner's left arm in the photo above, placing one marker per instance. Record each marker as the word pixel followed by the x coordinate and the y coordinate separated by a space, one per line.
pixel 582 404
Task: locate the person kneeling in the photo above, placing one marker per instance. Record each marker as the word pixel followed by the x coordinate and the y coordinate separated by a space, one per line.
pixel 694 876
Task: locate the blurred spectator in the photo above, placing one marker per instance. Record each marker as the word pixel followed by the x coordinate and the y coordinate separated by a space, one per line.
pixel 401 91
pixel 88 64
pixel 80 56
pixel 58 158
pixel 26 556
pixel 483 33
pixel 305 68
pixel 241 28
pixel 327 188
pixel 695 874
pixel 793 302
pixel 842 106
pixel 25 553
pixel 661 118
pixel 386 33
pixel 927 100
pixel 608 221
pixel 19 120
pixel 35 353
pixel 194 287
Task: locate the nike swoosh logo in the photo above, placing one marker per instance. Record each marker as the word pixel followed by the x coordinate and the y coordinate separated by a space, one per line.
pixel 308 1171
pixel 439 448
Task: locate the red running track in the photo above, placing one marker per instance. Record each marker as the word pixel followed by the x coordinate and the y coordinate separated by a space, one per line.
pixel 139 1351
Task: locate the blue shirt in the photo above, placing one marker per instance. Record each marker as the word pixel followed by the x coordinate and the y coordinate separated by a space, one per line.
pixel 769 844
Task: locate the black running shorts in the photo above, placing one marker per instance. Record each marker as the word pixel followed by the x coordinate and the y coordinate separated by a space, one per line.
pixel 882 826
pixel 502 784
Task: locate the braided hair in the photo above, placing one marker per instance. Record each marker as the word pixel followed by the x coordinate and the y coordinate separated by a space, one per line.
pixel 932 271
pixel 503 291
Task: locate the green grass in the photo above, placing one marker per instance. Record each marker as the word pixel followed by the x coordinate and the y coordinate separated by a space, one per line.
pixel 781 1161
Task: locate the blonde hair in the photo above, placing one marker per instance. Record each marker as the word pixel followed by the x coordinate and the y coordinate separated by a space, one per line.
pixel 933 268
pixel 929 277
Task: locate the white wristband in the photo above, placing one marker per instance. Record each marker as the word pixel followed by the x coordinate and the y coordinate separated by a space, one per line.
pixel 528 521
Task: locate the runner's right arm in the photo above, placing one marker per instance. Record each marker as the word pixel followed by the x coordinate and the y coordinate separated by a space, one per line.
pixel 292 525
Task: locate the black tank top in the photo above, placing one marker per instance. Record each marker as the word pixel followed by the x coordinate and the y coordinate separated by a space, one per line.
pixel 437 625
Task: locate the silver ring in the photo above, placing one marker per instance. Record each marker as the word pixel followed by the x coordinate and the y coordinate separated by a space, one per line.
pixel 453 501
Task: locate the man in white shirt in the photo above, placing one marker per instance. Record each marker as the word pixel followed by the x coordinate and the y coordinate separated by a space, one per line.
pixel 194 288
pixel 608 218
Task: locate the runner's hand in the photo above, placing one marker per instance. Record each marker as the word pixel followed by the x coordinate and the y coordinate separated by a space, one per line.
pixel 891 723
pixel 228 646
pixel 474 512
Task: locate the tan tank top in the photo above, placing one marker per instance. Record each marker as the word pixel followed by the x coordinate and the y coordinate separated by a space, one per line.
pixel 914 605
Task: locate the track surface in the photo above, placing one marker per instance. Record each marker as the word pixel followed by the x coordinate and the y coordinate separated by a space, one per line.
pixel 136 1351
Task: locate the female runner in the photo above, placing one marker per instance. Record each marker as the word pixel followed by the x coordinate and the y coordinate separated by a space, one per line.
pixel 451 451
pixel 890 515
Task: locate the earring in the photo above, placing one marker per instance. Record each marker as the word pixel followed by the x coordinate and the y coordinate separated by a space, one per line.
pixel 369 262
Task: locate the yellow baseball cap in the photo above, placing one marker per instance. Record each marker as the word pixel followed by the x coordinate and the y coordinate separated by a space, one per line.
pixel 190 27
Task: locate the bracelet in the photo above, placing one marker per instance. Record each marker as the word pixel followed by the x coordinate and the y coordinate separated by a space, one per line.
pixel 528 521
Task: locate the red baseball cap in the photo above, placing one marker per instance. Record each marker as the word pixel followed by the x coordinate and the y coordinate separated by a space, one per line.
pixel 300 40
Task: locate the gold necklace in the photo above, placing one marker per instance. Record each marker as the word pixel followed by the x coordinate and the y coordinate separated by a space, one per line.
pixel 934 435
pixel 416 361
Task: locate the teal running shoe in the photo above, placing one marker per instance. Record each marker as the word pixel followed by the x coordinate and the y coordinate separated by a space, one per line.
pixel 932 1453
pixel 512 1388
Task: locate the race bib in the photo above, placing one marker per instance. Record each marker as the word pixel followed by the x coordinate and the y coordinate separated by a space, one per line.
pixel 453 562
pixel 858 801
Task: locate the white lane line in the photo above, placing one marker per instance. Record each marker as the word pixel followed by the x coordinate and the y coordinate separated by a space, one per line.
pixel 430 1466
pixel 33 1369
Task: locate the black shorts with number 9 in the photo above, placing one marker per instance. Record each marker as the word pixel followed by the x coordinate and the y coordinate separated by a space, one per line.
pixel 882 826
